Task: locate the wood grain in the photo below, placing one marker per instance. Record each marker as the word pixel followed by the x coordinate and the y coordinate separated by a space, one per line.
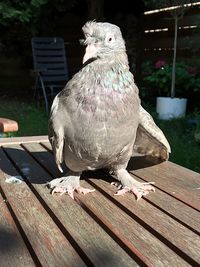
pixel 98 229
pixel 92 240
pixel 12 247
pixel 18 140
pixel 184 242
pixel 151 211
pixel 46 239
pixel 176 180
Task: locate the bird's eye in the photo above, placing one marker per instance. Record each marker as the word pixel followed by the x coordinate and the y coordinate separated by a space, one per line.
pixel 109 39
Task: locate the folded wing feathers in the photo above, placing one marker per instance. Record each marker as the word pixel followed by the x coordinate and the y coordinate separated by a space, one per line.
pixel 150 140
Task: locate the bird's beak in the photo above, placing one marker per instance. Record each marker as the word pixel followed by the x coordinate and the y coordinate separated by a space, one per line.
pixel 90 52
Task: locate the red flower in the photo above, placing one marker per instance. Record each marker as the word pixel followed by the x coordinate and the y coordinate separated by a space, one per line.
pixel 159 64
pixel 192 71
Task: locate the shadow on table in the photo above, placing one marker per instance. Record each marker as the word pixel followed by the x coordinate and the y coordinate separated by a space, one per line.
pixel 36 167
pixel 8 241
pixel 40 167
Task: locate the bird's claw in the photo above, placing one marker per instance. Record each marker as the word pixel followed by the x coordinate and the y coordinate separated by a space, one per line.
pixel 62 190
pixel 70 190
pixel 139 192
pixel 84 190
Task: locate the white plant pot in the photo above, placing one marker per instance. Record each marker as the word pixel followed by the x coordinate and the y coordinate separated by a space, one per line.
pixel 170 108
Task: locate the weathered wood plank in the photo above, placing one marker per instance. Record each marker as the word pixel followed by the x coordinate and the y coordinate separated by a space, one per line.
pixel 43 156
pixel 112 222
pixel 101 249
pixel 12 246
pixel 163 14
pixel 152 54
pixel 128 227
pixel 160 44
pixel 48 163
pixel 167 42
pixel 47 241
pixel 188 32
pixel 175 209
pixel 27 139
pixel 185 242
pixel 161 199
pixel 168 22
pixel 47 145
pixel 155 218
pixel 176 180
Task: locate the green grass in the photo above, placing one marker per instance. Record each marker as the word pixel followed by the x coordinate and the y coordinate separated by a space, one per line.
pixel 185 150
pixel 33 120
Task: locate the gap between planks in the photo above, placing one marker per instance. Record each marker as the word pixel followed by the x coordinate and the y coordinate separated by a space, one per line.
pixel 189 259
pixel 38 194
pixel 179 252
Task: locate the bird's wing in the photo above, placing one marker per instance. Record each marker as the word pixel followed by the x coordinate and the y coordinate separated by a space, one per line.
pixel 56 132
pixel 150 140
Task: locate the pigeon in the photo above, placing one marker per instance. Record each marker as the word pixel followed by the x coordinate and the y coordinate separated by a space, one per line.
pixel 97 120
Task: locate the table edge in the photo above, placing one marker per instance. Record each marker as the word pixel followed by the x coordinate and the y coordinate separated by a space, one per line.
pixel 23 139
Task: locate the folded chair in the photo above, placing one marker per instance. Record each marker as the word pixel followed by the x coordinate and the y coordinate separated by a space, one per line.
pixel 50 66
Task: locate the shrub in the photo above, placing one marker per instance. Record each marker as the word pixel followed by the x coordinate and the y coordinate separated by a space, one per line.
pixel 157 78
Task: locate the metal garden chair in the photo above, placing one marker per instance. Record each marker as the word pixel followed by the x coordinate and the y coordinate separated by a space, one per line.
pixel 50 66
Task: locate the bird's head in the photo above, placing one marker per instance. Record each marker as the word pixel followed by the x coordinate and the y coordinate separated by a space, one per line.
pixel 101 39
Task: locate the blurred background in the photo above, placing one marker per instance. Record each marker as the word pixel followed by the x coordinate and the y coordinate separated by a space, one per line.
pixel 148 28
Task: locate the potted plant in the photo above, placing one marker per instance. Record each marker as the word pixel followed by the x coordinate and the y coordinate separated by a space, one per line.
pixel 157 81
pixel 171 107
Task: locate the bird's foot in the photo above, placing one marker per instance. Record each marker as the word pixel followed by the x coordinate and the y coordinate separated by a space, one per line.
pixel 139 190
pixel 129 184
pixel 69 185
pixel 70 190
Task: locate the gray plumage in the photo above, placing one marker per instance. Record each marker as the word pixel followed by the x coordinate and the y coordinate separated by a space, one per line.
pixel 97 121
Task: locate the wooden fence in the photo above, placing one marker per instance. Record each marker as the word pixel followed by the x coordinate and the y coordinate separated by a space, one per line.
pixel 158 35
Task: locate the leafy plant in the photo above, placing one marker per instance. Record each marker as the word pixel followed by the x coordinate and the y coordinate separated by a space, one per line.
pixel 177 10
pixel 22 11
pixel 158 78
pixel 22 19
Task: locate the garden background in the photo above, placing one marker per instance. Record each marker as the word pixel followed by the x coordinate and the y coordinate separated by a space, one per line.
pixel 149 42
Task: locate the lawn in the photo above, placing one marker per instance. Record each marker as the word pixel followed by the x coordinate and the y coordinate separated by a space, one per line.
pixel 185 150
pixel 33 120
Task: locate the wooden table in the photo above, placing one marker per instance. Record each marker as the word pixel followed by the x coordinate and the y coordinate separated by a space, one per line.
pixel 98 229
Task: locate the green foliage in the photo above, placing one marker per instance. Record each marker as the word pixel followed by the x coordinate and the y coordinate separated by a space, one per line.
pixel 22 19
pixel 181 136
pixel 25 11
pixel 157 78
pixel 185 150
pixel 17 10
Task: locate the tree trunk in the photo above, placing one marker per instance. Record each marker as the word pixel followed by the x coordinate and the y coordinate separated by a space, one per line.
pixel 174 57
pixel 139 49
pixel 95 9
